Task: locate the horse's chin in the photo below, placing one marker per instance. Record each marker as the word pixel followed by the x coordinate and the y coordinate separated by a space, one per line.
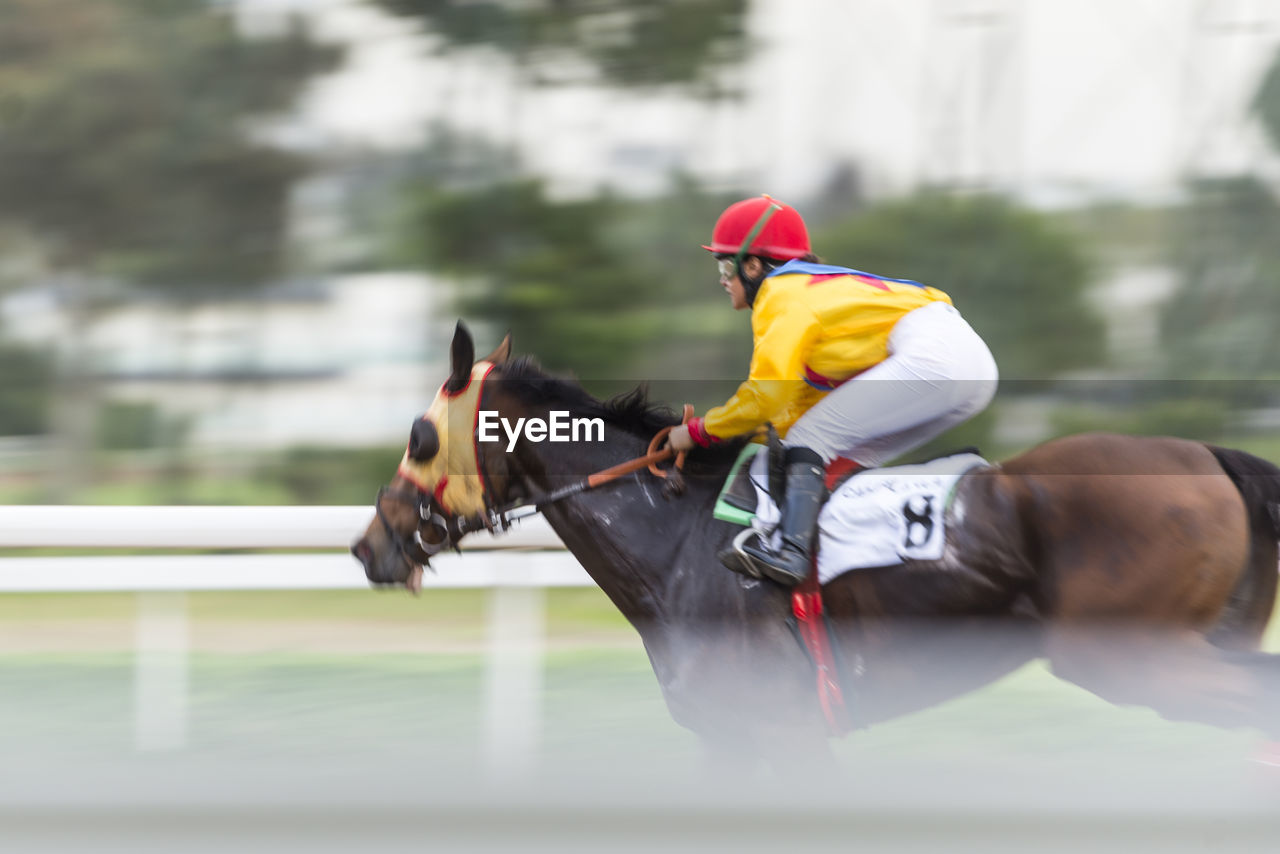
pixel 404 574
pixel 414 582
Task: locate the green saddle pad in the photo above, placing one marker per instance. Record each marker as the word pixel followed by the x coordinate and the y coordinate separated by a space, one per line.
pixel 737 500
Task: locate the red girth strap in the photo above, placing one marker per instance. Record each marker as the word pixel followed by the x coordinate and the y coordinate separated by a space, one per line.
pixel 806 604
pixel 811 625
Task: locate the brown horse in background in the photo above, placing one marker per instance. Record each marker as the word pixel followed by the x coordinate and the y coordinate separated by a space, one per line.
pixel 1143 569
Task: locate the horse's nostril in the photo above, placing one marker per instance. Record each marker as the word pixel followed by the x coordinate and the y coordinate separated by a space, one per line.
pixel 362 552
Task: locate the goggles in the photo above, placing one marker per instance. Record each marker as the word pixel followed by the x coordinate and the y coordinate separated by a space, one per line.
pixel 728 268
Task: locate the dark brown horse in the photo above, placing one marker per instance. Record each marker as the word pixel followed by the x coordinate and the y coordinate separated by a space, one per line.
pixel 1144 569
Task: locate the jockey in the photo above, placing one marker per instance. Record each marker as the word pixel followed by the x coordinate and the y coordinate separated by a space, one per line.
pixel 844 364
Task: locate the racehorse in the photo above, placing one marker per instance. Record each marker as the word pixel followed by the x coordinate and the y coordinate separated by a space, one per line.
pixel 1143 569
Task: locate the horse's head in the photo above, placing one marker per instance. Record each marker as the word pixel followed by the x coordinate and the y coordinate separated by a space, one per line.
pixel 443 487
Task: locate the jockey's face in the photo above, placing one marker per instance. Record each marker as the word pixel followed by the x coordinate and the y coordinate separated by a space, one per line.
pixel 732 282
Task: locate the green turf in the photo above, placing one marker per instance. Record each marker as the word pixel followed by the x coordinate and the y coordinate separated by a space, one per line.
pixel 596 699
pixel 425 708
pixel 568 609
pixel 429 708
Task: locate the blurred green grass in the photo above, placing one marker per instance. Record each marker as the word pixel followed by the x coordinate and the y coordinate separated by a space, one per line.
pixel 430 708
pixel 568 610
pixel 414 707
pixel 599 699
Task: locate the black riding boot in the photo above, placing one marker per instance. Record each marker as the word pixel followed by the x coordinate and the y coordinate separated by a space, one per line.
pixel 805 493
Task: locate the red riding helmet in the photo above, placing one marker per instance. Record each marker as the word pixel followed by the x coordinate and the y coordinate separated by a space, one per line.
pixel 760 226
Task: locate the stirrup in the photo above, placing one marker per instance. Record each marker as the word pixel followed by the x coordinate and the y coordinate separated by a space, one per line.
pixel 735 557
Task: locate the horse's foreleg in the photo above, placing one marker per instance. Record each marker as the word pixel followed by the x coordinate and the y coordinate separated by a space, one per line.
pixel 1178 674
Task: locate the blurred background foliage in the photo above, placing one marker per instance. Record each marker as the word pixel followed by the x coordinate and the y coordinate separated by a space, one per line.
pixel 622 43
pixel 603 287
pixel 135 153
pixel 130 150
pixel 25 381
pixel 1220 323
pixel 146 149
pixel 1016 276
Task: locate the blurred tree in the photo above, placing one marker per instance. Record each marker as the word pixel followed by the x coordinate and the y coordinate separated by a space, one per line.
pixel 127 143
pixel 26 373
pixel 328 475
pixel 128 425
pixel 1220 322
pixel 1266 102
pixel 544 270
pixel 25 385
pixel 134 146
pixel 591 285
pixel 613 289
pixel 622 43
pixel 696 348
pixel 1018 281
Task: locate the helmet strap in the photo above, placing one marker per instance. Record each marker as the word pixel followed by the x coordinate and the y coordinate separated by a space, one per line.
pixel 761 221
pixel 751 286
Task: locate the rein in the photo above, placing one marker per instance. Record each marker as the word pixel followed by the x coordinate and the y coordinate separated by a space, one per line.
pixel 505 515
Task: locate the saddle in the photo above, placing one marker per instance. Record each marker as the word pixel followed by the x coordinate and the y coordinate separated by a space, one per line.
pixel 739 497
pixel 875 517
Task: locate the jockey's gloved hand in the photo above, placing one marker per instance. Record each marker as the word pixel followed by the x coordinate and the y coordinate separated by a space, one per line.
pixel 679 439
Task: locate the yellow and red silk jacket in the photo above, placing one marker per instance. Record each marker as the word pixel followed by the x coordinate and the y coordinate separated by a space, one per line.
pixel 814 326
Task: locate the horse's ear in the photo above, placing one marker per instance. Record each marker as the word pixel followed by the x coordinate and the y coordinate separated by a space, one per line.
pixel 502 353
pixel 462 355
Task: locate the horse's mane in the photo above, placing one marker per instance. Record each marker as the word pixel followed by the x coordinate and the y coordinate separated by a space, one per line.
pixel 524 379
pixel 632 411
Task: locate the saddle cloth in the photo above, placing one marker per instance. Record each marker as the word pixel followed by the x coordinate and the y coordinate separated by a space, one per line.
pixel 880 517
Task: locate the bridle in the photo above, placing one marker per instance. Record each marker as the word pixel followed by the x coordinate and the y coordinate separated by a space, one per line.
pixel 452 528
pixel 404 545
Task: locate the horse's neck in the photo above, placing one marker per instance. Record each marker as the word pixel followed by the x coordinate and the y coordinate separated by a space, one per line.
pixel 625 533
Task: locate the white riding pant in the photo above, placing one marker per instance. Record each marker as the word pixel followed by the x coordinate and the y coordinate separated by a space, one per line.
pixel 939 373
